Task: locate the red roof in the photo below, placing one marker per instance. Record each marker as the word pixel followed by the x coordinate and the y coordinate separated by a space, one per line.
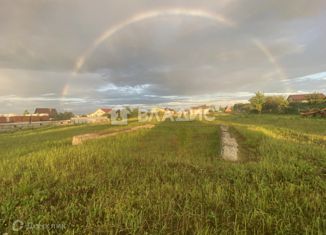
pixel 228 109
pixel 51 112
pixel 106 110
pixel 302 97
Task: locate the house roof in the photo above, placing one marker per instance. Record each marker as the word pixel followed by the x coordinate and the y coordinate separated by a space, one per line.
pixel 105 110
pixel 301 97
pixel 49 111
pixel 228 109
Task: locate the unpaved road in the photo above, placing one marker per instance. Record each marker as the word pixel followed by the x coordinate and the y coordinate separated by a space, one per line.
pixel 229 145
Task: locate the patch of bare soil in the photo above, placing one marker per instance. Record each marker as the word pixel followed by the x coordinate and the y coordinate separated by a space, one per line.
pixel 79 139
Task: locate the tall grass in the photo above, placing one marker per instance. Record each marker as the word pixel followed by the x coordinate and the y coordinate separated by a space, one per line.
pixel 167 180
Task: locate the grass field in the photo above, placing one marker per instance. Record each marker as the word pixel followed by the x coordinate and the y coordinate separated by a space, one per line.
pixel 168 180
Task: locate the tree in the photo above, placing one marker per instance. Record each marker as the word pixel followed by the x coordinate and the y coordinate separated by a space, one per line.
pixel 315 98
pixel 257 101
pixel 275 104
pixel 221 109
pixel 242 108
pixel 26 112
pixel 133 112
pixel 64 116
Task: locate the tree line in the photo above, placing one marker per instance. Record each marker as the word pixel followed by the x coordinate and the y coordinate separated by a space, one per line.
pixel 260 103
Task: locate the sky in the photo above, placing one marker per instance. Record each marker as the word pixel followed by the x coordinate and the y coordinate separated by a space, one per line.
pixel 80 55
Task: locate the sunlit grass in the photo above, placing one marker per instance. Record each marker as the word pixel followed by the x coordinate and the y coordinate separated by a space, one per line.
pixel 169 179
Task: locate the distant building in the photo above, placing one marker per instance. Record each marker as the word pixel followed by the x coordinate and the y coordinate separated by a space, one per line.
pixel 24 119
pixel 3 119
pixel 228 109
pixel 157 110
pixel 305 98
pixel 88 120
pixel 8 115
pixel 203 108
pixel 242 107
pixel 169 110
pixel 46 111
pixel 100 113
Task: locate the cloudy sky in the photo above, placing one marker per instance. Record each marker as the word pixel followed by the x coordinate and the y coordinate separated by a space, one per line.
pixel 79 54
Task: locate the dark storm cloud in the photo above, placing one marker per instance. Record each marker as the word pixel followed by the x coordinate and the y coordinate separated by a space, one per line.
pixel 162 60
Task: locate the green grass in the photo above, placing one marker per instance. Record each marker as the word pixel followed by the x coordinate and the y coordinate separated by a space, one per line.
pixel 291 122
pixel 168 180
pixel 21 143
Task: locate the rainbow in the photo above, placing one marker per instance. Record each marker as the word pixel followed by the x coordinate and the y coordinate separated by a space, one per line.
pixel 146 16
pixel 218 18
pixel 272 59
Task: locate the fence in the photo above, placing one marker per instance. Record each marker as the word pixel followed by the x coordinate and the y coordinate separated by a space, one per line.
pixel 4 127
pixel 17 119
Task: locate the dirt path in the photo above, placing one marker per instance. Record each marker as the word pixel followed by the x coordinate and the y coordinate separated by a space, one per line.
pixel 79 139
pixel 229 145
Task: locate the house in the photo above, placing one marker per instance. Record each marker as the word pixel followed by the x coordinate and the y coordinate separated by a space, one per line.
pixel 23 119
pixel 100 113
pixel 305 98
pixel 228 109
pixel 3 119
pixel 46 111
pixel 6 118
pixel 202 108
pixel 169 109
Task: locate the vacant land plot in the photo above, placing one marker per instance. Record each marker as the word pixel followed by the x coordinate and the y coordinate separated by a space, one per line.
pixel 169 179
